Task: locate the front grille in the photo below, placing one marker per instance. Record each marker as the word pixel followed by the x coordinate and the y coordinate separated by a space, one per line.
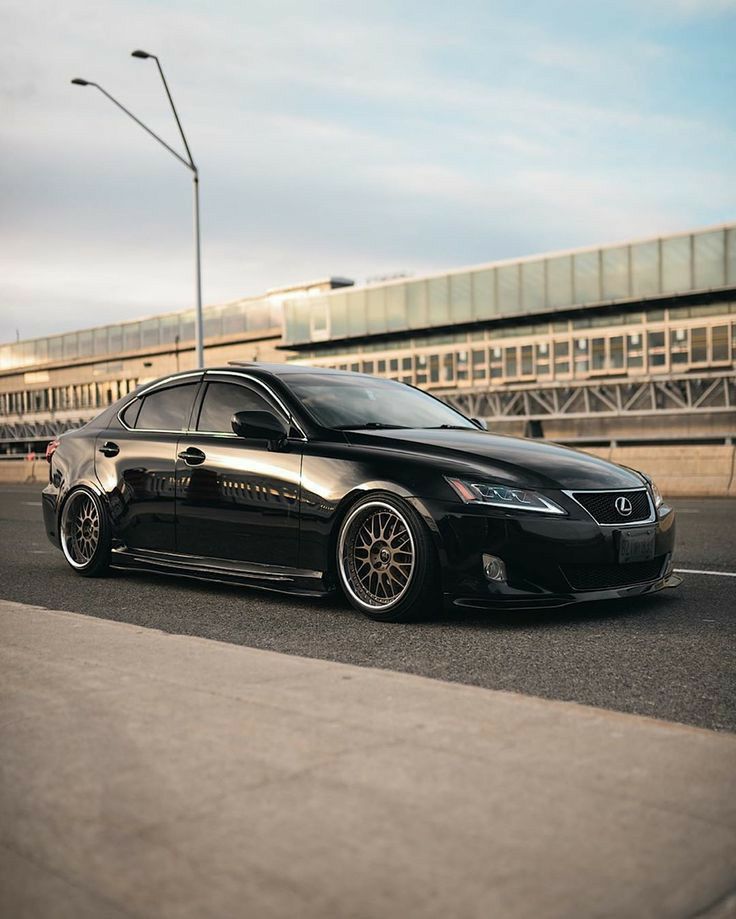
pixel 601 505
pixel 598 577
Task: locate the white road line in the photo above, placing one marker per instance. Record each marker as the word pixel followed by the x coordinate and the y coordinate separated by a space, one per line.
pixel 720 574
pixel 32 503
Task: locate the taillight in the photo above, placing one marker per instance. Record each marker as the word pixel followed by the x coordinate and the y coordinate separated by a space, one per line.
pixel 51 449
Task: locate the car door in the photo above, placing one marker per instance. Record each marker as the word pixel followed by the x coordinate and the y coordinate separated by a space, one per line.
pixel 135 462
pixel 237 498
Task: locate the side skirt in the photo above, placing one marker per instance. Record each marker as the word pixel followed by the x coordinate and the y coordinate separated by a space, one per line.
pixel 264 577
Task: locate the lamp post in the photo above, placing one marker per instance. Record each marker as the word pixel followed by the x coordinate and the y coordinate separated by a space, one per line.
pixel 189 163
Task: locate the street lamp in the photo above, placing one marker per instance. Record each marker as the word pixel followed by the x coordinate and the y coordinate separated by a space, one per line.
pixel 189 163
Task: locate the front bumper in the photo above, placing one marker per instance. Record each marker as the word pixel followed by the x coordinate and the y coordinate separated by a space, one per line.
pixel 541 553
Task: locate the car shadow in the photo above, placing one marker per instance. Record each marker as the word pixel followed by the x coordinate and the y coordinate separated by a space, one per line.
pixel 460 617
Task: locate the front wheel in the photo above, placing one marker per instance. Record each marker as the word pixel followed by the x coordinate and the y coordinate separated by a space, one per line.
pixel 386 561
pixel 85 533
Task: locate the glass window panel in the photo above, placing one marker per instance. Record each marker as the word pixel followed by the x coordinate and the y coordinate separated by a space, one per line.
pixel 149 333
pixel 131 336
pixel 100 345
pixel 395 306
pixel 70 345
pixel 461 300
pixel 676 264
pixel 319 324
pixel 84 343
pixel 233 322
pixel 448 367
pixel 484 293
pixel 114 339
pixel 720 343
pixel 416 304
pixel 223 400
pixel 598 353
pixel 532 286
pixel 656 339
pixel 376 309
pixel 586 277
pixel 461 362
pixel 296 323
pixel 616 346
pixel 186 327
pixel 439 300
pixel 699 345
pixel 645 269
pixel 510 362
pixel 212 323
pixel 508 289
pixel 559 281
pixel 167 409
pixel 338 315
pixel 527 362
pixel 615 264
pixel 257 314
pixel 562 348
pixel 709 259
pixel 731 256
pixel 434 368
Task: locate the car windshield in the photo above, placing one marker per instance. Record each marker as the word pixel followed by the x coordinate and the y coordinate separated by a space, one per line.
pixel 344 401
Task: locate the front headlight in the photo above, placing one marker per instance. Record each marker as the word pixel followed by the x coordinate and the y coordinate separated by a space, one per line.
pixel 656 493
pixel 518 499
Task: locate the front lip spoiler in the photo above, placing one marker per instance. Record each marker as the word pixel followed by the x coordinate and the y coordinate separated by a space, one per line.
pixel 572 599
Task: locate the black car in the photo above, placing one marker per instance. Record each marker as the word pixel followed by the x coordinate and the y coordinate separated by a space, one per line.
pixel 311 481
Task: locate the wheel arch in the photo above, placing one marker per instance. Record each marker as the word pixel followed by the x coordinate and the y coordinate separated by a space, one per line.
pixel 378 486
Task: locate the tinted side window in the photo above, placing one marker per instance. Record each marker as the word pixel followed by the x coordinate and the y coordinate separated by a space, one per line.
pixel 222 400
pixel 167 409
pixel 130 415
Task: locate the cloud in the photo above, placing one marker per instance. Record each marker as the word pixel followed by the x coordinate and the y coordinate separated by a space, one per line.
pixel 340 138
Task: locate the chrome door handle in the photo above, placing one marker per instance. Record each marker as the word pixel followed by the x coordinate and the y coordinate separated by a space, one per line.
pixel 192 456
pixel 109 449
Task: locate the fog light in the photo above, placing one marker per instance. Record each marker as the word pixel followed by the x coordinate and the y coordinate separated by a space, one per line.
pixel 494 568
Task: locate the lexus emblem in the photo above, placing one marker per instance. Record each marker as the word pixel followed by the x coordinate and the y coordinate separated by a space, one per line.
pixel 623 506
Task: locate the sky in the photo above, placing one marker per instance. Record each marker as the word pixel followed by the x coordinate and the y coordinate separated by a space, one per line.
pixel 360 139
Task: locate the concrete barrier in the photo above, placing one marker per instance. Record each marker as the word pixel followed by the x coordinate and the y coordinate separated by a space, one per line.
pixel 695 471
pixel 679 471
pixel 23 470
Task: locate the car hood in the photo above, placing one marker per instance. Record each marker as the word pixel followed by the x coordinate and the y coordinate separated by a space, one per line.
pixel 509 460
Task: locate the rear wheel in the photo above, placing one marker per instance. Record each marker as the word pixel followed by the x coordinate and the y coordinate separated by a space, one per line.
pixel 85 533
pixel 386 561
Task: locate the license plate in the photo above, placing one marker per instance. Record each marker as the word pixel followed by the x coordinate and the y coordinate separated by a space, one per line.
pixel 636 545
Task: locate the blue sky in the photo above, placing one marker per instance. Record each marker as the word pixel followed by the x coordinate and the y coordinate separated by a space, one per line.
pixel 358 139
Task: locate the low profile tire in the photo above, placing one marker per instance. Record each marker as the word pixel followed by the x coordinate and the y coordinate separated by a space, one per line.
pixel 85 533
pixel 386 562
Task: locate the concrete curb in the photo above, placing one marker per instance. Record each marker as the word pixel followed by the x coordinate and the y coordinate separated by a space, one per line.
pixel 155 774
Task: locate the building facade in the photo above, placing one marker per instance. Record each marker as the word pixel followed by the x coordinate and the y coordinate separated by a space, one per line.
pixel 623 341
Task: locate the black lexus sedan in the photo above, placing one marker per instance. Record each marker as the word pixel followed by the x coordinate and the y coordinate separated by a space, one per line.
pixel 313 481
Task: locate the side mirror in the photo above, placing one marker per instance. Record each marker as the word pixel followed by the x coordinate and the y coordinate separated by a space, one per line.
pixel 481 422
pixel 259 426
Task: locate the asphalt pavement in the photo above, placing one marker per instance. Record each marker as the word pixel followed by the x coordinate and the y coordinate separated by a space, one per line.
pixel 672 656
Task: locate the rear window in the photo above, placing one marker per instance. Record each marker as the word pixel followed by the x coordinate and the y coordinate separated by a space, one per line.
pixel 165 409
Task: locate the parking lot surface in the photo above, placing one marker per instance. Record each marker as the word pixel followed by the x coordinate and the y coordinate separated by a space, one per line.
pixel 671 655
